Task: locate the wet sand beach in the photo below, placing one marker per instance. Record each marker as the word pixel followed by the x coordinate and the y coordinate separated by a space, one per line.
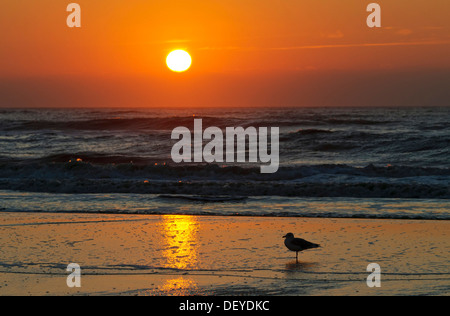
pixel 219 255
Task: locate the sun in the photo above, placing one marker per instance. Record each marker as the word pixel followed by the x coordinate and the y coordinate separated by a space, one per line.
pixel 178 60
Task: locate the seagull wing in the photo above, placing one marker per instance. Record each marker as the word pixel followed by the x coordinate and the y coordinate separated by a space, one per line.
pixel 304 244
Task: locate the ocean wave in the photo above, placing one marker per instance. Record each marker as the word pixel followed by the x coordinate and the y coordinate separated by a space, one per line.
pixel 307 189
pixel 204 198
pixel 96 160
pixel 98 166
pixel 299 134
pixel 116 122
pixel 260 206
pixel 336 214
pixel 214 180
pixel 334 147
pixel 312 131
pixel 353 121
pixel 322 152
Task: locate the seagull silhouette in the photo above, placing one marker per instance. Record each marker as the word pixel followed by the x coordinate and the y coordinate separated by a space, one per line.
pixel 297 244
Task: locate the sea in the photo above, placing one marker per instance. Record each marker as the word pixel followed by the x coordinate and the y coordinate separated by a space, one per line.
pixel 386 162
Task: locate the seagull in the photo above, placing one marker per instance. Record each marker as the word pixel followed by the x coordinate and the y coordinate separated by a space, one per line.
pixel 297 244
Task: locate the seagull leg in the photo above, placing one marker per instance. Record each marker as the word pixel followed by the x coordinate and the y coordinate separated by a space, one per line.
pixel 296 256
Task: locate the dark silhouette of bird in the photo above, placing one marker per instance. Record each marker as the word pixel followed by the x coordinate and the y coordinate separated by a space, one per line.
pixel 297 244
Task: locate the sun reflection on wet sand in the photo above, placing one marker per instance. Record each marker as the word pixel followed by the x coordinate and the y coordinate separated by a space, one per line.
pixel 176 286
pixel 179 287
pixel 180 238
pixel 181 241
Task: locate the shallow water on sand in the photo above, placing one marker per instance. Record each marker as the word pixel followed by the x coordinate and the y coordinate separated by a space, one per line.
pixel 178 204
pixel 209 255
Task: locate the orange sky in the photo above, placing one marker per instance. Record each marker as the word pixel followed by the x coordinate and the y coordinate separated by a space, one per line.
pixel 245 53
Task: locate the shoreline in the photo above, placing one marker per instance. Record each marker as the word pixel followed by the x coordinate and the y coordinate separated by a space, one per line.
pixel 406 218
pixel 126 254
pixel 271 206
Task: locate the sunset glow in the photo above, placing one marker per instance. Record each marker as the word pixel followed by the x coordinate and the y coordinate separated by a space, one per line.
pixel 246 53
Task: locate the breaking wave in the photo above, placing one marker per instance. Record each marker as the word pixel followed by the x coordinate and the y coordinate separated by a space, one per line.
pixel 204 179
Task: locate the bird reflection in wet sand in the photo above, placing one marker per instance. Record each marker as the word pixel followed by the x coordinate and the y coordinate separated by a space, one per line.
pixel 297 244
pixel 299 266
